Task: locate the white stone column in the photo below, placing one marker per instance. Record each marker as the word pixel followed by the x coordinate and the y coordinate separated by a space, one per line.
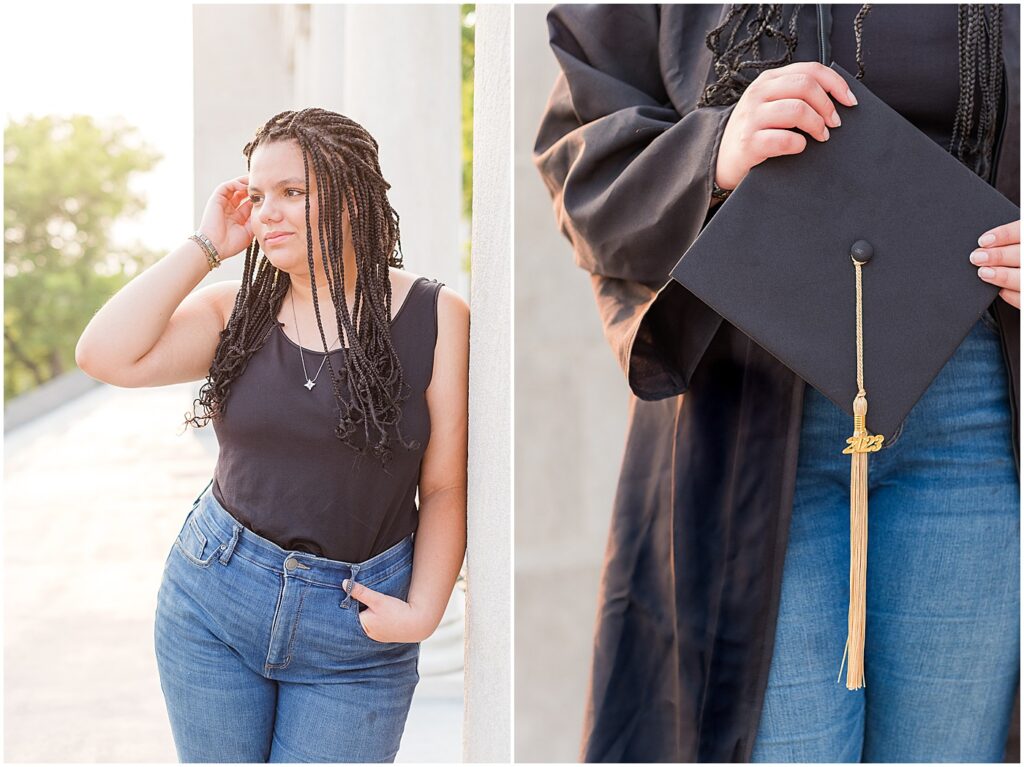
pixel 403 84
pixel 488 645
pixel 571 407
pixel 242 77
pixel 320 79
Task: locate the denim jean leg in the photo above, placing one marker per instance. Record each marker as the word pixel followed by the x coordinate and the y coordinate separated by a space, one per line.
pixel 944 572
pixel 220 710
pixel 346 697
pixel 807 716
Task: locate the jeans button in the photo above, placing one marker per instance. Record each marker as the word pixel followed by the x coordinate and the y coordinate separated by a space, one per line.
pixel 290 564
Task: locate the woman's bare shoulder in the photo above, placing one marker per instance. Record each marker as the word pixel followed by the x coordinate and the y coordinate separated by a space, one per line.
pixel 451 307
pixel 449 301
pixel 451 349
pixel 401 283
pixel 452 320
pixel 403 279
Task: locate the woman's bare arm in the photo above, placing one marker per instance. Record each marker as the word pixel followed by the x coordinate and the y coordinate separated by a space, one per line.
pixel 156 330
pixel 441 532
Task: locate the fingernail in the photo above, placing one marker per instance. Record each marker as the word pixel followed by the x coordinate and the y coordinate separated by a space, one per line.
pixel 986 273
pixel 826 134
pixel 851 97
pixel 834 120
pixel 344 584
pixel 979 257
pixel 987 239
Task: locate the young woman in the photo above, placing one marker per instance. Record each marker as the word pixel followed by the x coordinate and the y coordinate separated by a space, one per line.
pixel 305 576
pixel 724 596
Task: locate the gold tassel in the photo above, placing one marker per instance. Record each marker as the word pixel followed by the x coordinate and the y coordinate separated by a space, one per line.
pixel 858 447
pixel 858 550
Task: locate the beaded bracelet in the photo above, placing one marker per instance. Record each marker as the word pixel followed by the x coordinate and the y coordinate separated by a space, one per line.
pixel 717 193
pixel 212 257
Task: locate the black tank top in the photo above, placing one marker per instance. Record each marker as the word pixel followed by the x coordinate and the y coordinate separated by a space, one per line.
pixel 910 60
pixel 283 473
pixel 910 55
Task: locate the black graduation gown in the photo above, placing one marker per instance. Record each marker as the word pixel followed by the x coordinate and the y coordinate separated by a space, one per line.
pixel 691 582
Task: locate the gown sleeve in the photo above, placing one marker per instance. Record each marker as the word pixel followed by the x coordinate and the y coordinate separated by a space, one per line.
pixel 630 174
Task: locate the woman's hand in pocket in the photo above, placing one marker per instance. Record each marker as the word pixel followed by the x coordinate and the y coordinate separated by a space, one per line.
pixel 999 260
pixel 388 619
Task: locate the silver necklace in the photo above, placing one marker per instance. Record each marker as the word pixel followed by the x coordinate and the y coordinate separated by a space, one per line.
pixel 310 382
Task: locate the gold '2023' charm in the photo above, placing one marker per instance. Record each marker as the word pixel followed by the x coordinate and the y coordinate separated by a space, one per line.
pixel 867 443
pixel 862 441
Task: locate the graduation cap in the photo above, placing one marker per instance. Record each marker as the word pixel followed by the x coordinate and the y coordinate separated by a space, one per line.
pixel 849 263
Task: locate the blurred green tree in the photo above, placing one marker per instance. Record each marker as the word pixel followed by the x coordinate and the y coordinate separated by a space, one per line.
pixel 66 182
pixel 468 12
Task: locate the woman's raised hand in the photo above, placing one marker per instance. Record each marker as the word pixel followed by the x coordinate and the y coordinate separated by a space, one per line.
pixel 793 96
pixel 999 259
pixel 226 218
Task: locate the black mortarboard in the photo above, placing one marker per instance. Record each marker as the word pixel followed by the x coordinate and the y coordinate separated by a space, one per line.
pixel 776 260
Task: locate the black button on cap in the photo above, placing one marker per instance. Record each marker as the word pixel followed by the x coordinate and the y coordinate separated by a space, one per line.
pixel 861 251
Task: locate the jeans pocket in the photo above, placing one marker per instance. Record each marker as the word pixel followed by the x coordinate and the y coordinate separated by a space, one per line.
pixel 199 547
pixel 394 584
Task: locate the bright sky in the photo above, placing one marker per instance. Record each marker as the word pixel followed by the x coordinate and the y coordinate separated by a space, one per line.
pixel 133 60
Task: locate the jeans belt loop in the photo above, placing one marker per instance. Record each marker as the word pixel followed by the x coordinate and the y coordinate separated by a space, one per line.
pixel 225 556
pixel 351 582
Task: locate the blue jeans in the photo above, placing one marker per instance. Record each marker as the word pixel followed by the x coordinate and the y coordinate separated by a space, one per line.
pixel 943 599
pixel 261 653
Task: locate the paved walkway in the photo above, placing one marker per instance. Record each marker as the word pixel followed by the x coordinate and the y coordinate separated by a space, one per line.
pixel 94 493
